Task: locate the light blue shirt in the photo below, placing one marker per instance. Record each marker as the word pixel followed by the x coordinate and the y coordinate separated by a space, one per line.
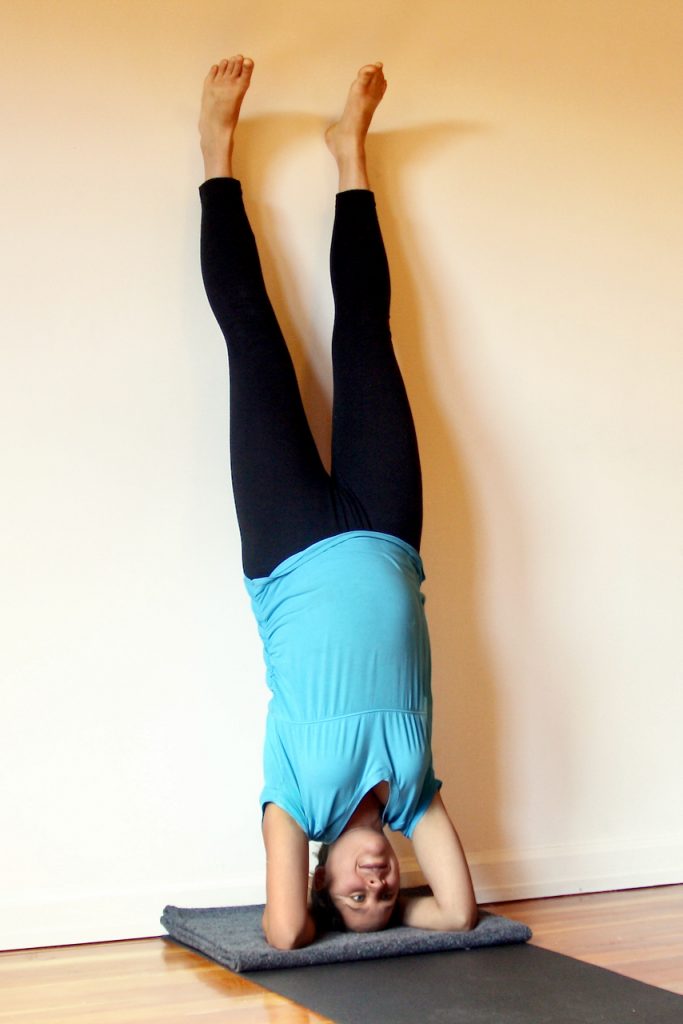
pixel 348 662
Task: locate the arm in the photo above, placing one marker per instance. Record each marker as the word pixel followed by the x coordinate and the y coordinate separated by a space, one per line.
pixel 440 856
pixel 287 922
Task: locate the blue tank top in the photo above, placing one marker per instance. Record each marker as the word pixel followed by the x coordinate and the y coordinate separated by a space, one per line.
pixel 348 662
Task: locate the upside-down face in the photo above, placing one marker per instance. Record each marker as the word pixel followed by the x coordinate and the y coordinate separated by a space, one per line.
pixel 362 876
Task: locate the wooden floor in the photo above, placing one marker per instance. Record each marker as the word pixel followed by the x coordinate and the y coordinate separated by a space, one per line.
pixel 638 933
pixel 151 981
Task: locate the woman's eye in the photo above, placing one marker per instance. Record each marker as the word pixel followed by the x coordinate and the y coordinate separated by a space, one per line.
pixel 387 896
pixel 358 897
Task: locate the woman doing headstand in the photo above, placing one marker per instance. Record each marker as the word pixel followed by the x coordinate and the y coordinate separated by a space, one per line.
pixel 331 560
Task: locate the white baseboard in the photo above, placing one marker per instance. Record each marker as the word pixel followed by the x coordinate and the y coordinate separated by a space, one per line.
pixel 61 917
pixel 558 870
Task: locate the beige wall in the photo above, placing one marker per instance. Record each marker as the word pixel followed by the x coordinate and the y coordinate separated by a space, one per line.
pixel 527 162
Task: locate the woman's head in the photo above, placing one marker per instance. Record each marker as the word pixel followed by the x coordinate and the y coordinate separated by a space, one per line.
pixel 357 881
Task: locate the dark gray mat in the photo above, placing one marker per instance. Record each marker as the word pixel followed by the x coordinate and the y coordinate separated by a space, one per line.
pixel 505 985
pixel 233 937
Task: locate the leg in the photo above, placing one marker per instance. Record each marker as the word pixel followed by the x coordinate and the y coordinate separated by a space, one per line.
pixel 374 446
pixel 282 492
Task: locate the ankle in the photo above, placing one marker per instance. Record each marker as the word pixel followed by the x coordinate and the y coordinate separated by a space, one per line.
pixel 217 161
pixel 352 174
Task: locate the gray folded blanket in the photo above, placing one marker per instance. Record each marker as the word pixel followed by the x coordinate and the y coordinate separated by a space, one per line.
pixel 234 938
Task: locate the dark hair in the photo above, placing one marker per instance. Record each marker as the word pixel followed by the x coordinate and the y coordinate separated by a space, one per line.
pixel 323 910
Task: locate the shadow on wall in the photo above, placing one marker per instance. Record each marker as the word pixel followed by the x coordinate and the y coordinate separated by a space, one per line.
pixel 465 735
pixel 466 743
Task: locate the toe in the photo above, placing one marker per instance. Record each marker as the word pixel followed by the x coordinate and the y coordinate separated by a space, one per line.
pixel 222 67
pixel 247 66
pixel 368 72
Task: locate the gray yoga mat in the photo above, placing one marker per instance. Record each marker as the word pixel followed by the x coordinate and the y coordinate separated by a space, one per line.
pixel 233 937
pixel 517 984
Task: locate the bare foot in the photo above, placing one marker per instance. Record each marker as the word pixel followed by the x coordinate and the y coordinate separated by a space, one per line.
pixel 346 138
pixel 224 89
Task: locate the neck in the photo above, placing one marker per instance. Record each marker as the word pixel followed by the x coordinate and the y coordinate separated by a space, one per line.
pixel 368 814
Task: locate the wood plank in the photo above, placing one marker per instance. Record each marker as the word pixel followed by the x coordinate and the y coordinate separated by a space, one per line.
pixel 145 981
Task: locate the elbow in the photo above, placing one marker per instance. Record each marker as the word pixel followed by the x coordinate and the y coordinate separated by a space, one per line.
pixel 462 919
pixel 278 942
pixel 284 941
pixel 470 918
pixel 284 937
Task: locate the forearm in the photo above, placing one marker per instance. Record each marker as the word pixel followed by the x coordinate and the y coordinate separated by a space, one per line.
pixel 285 937
pixel 425 912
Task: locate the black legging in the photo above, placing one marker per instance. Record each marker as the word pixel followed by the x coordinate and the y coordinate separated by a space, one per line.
pixel 285 499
